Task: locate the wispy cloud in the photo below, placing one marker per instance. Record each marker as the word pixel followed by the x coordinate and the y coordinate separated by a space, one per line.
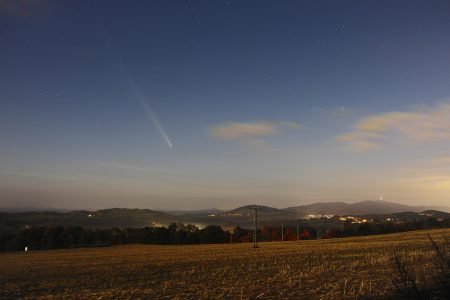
pixel 420 124
pixel 430 166
pixel 431 182
pixel 236 130
pixel 41 175
pixel 341 112
pixel 134 168
pixel 443 160
pixel 360 140
pixel 250 131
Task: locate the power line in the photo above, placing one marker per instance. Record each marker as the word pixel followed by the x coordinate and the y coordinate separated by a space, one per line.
pixel 255 226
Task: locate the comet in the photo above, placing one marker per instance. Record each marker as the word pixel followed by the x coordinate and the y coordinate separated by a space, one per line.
pixel 149 112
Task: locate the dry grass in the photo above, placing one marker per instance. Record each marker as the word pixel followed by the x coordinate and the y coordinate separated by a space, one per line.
pixel 350 268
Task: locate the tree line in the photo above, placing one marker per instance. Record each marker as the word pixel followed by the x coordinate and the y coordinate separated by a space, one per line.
pixel 58 237
pixel 382 227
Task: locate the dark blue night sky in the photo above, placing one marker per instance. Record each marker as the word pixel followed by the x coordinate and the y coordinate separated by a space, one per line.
pixel 189 104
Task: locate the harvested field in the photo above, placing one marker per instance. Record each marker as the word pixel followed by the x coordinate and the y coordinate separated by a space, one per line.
pixel 326 269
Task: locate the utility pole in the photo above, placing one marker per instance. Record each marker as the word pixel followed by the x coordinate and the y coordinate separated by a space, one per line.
pixel 255 223
pixel 298 233
pixel 282 232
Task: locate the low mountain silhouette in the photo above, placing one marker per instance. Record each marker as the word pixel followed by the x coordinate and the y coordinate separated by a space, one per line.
pixel 359 208
pixel 107 218
pixel 262 211
pixel 409 216
pixel 436 214
pixel 241 216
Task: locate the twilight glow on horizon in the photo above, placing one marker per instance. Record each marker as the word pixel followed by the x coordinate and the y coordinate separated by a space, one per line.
pixel 199 104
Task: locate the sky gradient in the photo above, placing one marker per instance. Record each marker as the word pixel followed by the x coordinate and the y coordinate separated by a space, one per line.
pixel 198 104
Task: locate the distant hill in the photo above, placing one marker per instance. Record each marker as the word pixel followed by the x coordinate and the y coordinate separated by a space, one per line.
pixel 409 216
pixel 262 211
pixel 436 214
pixel 322 208
pixel 266 214
pixel 194 212
pixel 107 218
pixel 359 208
pixel 241 216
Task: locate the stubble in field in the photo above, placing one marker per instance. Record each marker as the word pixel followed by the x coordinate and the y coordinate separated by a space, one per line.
pixel 325 269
